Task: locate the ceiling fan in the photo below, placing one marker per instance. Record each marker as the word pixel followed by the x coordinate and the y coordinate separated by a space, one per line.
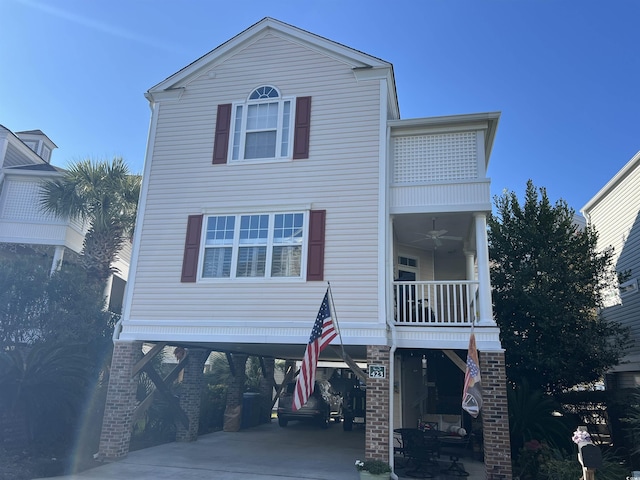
pixel 438 235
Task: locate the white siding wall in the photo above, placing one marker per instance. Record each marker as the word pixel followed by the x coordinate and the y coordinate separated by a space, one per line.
pixel 616 218
pixel 22 221
pixel 340 176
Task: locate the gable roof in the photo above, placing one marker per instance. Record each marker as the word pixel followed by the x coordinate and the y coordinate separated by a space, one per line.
pixel 356 59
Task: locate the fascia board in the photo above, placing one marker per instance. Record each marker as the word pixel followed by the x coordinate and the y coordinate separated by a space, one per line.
pixel 347 55
pixel 16 172
pixel 445 120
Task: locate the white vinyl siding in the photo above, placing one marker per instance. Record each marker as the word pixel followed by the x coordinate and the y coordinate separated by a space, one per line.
pixel 340 176
pixel 616 217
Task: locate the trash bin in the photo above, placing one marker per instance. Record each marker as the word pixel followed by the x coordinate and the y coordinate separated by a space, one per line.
pixel 250 410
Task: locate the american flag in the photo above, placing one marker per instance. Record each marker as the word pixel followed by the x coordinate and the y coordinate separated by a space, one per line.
pixel 472 393
pixel 322 334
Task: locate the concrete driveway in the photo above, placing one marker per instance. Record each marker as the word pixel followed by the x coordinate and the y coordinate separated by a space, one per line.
pixel 267 452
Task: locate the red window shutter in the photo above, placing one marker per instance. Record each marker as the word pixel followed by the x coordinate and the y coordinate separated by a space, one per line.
pixel 315 258
pixel 191 249
pixel 221 138
pixel 302 128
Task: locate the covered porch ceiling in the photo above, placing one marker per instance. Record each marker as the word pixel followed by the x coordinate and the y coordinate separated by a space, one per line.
pixel 434 231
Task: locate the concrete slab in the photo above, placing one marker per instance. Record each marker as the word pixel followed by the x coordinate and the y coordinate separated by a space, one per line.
pixel 266 452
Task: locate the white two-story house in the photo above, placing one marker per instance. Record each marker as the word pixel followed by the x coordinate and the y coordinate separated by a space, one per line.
pixel 25 163
pixel 278 163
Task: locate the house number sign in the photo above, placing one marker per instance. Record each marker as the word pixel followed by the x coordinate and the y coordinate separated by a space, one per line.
pixel 377 371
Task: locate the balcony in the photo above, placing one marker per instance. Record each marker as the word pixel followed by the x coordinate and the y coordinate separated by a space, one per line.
pixel 440 164
pixel 22 221
pixel 436 303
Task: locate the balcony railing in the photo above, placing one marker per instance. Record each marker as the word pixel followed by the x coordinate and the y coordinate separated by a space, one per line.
pixel 452 303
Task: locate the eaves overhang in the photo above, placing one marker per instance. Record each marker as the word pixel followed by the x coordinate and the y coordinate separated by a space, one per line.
pixel 355 59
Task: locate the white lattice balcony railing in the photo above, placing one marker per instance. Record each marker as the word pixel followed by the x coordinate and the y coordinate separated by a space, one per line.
pixel 436 303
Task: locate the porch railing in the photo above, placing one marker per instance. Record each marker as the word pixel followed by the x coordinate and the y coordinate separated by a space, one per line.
pixel 436 303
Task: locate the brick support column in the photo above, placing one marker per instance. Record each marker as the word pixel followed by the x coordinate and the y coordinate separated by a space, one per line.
pixel 191 394
pixel 377 426
pixel 266 389
pixel 233 410
pixel 495 416
pixel 121 401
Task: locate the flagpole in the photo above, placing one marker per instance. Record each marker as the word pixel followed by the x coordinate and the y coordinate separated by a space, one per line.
pixel 334 316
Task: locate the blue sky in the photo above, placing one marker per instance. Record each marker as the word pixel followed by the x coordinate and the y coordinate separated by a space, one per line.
pixel 564 74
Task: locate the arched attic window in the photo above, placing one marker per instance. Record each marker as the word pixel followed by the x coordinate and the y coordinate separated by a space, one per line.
pixel 262 126
pixel 265 126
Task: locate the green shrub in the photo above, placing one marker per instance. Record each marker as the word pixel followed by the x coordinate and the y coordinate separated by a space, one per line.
pixel 375 467
pixel 212 408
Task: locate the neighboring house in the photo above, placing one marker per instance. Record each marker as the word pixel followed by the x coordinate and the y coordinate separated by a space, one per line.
pixel 24 165
pixel 281 158
pixel 615 213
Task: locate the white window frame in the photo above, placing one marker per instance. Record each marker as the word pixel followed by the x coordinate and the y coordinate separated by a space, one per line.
pixel 409 268
pixel 270 244
pixel 284 128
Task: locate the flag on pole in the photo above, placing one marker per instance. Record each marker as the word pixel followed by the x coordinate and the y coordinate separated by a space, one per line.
pixel 472 393
pixel 322 333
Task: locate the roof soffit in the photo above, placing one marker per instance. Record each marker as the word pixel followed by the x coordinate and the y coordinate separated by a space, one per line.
pixel 268 26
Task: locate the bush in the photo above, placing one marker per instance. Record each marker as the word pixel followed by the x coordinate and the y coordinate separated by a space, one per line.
pixel 538 461
pixel 212 408
pixel 374 467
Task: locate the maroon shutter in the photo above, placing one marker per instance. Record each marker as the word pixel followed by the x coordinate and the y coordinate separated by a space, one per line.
pixel 191 249
pixel 221 138
pixel 302 128
pixel 315 258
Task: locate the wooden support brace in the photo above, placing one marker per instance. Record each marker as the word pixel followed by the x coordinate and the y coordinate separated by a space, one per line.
pixel 150 355
pixel 165 391
pixel 170 378
pixel 352 364
pixel 263 368
pixel 456 359
pixel 232 368
pixel 289 375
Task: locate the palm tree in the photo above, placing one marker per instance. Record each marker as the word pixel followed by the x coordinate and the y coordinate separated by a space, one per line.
pixel 103 194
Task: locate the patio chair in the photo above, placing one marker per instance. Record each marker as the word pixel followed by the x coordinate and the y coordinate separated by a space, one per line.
pixel 455 446
pixel 421 451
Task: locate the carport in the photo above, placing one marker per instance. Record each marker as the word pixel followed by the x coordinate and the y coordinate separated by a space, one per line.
pixel 266 452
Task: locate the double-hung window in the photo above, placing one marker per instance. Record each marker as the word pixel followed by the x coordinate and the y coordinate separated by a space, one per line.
pixel 254 245
pixel 261 126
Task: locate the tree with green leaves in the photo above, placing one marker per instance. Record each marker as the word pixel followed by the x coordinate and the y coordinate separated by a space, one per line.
pixel 36 307
pixel 548 281
pixel 104 194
